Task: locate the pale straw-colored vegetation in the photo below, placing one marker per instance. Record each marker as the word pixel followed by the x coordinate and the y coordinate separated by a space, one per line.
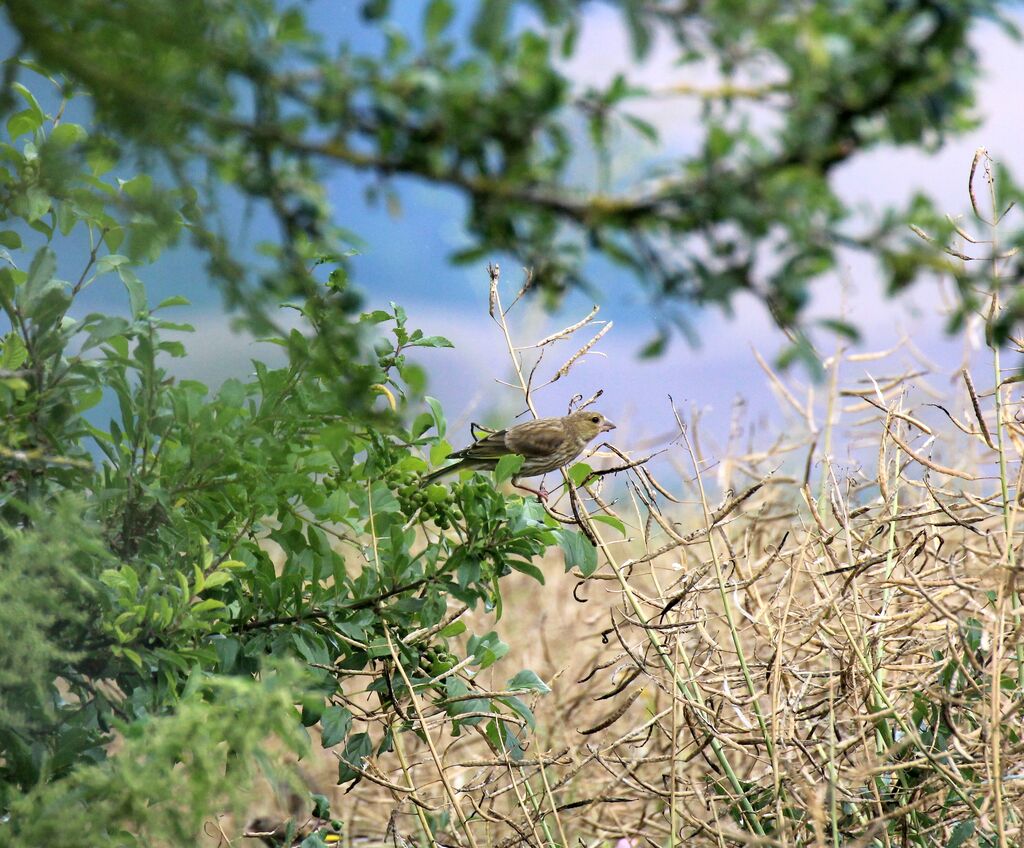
pixel 777 647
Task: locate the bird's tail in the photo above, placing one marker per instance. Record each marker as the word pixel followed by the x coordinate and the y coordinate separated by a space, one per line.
pixel 438 473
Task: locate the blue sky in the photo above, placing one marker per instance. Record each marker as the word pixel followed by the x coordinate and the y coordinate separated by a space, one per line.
pixel 404 258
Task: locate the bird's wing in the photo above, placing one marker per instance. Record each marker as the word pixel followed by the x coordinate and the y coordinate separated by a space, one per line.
pixel 489 447
pixel 531 438
pixel 542 437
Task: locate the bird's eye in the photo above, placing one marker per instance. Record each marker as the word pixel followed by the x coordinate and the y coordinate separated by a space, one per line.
pixel 595 419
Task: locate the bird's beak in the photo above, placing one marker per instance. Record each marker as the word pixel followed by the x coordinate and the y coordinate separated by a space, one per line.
pixel 607 426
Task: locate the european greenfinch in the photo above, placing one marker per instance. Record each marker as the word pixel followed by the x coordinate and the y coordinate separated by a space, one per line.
pixel 544 443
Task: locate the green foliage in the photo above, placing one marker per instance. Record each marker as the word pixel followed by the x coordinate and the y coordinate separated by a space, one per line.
pixel 507 467
pixel 163 539
pixel 171 772
pixel 48 599
pixel 262 98
pixel 579 552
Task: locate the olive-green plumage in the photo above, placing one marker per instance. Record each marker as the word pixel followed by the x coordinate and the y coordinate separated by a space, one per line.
pixel 545 444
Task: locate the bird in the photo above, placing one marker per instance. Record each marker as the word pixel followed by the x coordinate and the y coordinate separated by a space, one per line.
pixel 544 443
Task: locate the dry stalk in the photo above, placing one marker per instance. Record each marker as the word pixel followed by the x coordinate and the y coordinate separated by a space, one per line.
pixel 824 656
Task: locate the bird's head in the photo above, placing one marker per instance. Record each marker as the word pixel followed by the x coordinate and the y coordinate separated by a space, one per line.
pixel 589 423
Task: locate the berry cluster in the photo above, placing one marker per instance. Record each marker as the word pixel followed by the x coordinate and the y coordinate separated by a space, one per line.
pixel 433 502
pixel 438 660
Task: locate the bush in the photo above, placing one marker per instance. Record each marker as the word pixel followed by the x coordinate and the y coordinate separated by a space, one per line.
pixel 156 562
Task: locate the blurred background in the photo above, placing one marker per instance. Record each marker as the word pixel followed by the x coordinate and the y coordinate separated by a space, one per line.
pixel 409 232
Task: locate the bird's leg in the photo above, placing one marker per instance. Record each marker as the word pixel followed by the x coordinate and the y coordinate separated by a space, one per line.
pixel 541 493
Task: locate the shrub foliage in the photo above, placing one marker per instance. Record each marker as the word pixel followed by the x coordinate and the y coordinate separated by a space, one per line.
pixel 163 539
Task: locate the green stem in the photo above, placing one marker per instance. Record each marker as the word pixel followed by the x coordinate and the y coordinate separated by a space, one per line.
pixel 688 690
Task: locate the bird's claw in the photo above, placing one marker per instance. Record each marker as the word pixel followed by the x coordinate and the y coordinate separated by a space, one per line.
pixel 541 493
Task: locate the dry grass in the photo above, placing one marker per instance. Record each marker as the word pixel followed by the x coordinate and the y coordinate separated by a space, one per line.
pixel 778 650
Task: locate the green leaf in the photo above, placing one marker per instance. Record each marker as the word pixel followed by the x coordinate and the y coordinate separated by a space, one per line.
pixel 208 604
pixel 334 437
pixel 579 553
pixel 375 10
pixel 39 202
pixel 227 650
pixel 801 350
pixel 15 384
pixel 133 656
pixel 138 187
pixel 518 706
pixel 68 134
pixel 232 393
pixel 218 578
pixel 321 806
pixel 454 629
pixel 106 328
pixel 334 725
pixel 841 328
pixel 455 688
pixel 40 273
pixel 110 262
pixel 639 28
pixel 486 649
pixel 44 299
pixel 611 521
pixel 22 123
pixel 30 99
pixel 436 19
pixel 433 341
pixel 579 472
pixel 312 710
pixel 507 467
pixel 9 238
pixel 647 130
pixel 174 300
pixel 491 23
pixel 114 237
pixel 13 352
pixel 527 679
pixel 423 422
pixel 440 424
pixel 88 399
pixel 136 291
pixel 961 833
pixel 358 748
pixel 525 567
pixel 655 347
pixel 66 218
pixel 378 316
pixel 439 452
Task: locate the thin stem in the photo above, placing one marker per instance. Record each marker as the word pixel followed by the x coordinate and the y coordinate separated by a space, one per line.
pixel 449 790
pixel 687 688
pixel 995 717
pixel 726 606
pixel 421 816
